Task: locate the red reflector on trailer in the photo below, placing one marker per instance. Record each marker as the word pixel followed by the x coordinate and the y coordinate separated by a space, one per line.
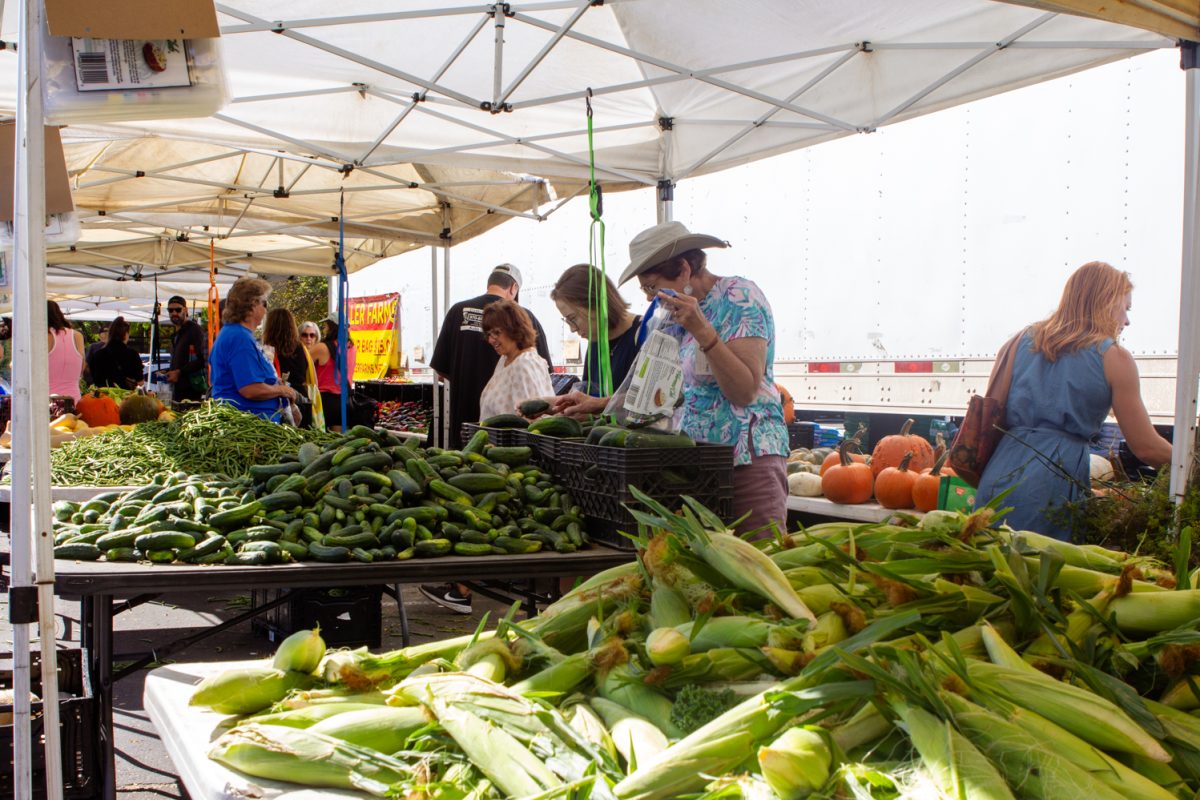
pixel 913 366
pixel 824 366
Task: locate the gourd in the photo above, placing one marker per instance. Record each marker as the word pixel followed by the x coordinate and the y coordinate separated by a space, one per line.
pixel 848 481
pixel 139 407
pixel 891 450
pixel 894 485
pixel 835 457
pixel 804 484
pixel 1101 468
pixel 98 409
pixel 929 483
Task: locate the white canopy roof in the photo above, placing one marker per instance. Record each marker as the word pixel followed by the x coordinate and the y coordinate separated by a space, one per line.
pixel 680 87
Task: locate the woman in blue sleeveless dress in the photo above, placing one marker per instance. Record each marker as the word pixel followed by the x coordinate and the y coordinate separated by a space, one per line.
pixel 1068 372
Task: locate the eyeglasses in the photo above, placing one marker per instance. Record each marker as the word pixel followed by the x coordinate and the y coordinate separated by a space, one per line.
pixel 175 310
pixel 649 289
pixel 308 336
pixel 264 302
pixel 493 334
pixel 573 321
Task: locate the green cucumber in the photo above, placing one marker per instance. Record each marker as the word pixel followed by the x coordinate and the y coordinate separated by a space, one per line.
pixel 449 492
pixel 530 408
pixel 512 456
pixel 77 552
pixel 614 438
pixel 370 461
pixel 505 421
pixel 297 551
pixel 279 501
pixel 642 439
pixel 351 541
pixel 559 427
pixel 472 549
pixel 160 556
pixel 253 558
pixel 478 483
pixel 477 442
pixel 333 555
pixel 516 545
pixel 121 554
pixel 236 516
pixel 432 547
pixel 164 540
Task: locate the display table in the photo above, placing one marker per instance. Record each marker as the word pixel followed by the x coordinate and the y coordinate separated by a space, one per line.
pixel 187 733
pixel 75 493
pixel 821 507
pixel 406 434
pixel 98 583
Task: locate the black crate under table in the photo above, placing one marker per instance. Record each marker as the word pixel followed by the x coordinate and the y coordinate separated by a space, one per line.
pixel 79 732
pixel 349 616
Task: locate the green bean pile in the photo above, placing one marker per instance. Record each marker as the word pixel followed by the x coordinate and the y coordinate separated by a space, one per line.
pixel 214 438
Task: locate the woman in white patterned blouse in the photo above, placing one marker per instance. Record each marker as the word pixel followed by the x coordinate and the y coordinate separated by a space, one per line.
pixel 521 374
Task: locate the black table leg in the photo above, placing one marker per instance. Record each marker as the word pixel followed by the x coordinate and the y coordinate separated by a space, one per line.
pixel 98 639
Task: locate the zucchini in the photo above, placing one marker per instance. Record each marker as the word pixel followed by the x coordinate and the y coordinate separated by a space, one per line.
pixel 477 442
pixel 512 456
pixel 505 421
pixel 333 555
pixel 432 547
pixel 471 549
pixel 530 408
pixel 559 427
pixel 451 493
pixel 477 483
pixel 78 552
pixel 642 439
pixel 236 516
pixel 164 540
pixel 279 501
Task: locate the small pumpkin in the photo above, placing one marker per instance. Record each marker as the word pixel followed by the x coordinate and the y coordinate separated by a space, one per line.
pixel 894 485
pixel 834 457
pixel 891 450
pixel 139 407
pixel 804 484
pixel 848 481
pixel 98 409
pixel 929 484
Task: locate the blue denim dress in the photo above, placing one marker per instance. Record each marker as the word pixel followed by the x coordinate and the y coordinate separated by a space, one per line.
pixel 1055 409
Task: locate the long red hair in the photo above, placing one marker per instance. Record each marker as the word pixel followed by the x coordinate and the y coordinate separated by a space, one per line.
pixel 1088 313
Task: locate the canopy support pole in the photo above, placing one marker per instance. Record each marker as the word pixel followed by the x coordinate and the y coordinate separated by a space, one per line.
pixel 1188 372
pixel 666 201
pixel 32 537
pixel 446 302
pixel 439 408
pixel 498 13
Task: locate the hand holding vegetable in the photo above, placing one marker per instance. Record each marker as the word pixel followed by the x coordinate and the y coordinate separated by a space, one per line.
pixel 577 404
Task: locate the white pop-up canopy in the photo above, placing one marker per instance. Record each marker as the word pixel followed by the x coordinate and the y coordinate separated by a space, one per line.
pixel 677 88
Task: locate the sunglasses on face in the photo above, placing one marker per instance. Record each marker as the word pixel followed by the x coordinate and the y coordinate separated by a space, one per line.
pixel 174 310
pixel 308 336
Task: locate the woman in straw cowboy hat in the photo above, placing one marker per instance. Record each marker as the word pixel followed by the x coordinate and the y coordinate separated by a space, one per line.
pixel 727 333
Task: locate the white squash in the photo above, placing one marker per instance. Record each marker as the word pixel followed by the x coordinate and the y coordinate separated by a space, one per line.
pixel 804 484
pixel 1102 468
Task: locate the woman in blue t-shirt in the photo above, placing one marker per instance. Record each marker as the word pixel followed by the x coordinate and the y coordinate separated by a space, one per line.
pixel 241 374
pixel 576 295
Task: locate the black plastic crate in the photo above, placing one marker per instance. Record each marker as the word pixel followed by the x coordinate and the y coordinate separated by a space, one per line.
pixel 349 616
pixel 78 727
pixel 599 479
pixel 501 437
pixel 801 434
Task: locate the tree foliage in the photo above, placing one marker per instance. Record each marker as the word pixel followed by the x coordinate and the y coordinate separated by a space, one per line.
pixel 307 297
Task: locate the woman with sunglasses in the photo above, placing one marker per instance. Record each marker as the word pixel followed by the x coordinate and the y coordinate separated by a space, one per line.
pixel 241 374
pixel 329 379
pixel 520 373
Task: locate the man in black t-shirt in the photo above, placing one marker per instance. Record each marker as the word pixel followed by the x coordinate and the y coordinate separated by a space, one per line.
pixel 462 354
pixel 189 354
pixel 463 357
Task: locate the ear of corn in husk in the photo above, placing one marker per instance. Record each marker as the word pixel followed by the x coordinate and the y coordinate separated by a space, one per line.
pixel 796 763
pixel 246 690
pixel 958 768
pixel 638 740
pixel 307 716
pixel 301 652
pixel 1154 612
pixel 381 728
pixel 299 756
pixel 667 646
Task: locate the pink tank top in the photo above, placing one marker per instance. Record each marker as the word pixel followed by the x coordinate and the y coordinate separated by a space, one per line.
pixel 66 364
pixel 327 377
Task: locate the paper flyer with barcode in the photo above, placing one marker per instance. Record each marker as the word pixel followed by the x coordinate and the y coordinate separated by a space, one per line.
pixel 106 64
pixel 657 377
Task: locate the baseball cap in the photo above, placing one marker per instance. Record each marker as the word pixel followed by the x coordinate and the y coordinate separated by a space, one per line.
pixel 510 271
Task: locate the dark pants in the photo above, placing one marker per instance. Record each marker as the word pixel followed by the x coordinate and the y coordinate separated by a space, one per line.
pixel 760 489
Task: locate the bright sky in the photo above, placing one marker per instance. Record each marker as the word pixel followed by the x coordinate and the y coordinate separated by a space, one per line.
pixel 939 236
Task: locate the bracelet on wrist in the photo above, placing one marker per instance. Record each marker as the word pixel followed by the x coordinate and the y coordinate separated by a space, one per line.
pixel 716 340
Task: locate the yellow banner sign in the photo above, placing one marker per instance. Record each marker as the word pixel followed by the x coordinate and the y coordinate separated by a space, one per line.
pixel 375 329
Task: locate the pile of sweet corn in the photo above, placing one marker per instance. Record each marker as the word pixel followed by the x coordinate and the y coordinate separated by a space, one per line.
pixel 940 657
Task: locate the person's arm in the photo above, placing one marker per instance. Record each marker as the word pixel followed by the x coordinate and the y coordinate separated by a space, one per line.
pixel 1121 372
pixel 320 354
pixel 266 391
pixel 578 404
pixel 738 365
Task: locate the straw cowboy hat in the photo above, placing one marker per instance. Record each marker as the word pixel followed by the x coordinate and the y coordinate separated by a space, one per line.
pixel 663 242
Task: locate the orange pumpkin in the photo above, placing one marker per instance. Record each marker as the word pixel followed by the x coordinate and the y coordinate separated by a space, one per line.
pixel 929 483
pixel 894 485
pixel 835 457
pixel 98 409
pixel 891 450
pixel 848 481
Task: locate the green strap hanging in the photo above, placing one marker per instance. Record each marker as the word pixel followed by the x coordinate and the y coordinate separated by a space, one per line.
pixel 597 294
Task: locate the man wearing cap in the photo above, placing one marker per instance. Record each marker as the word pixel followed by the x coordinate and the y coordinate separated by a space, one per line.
pixel 462 354
pixel 188 374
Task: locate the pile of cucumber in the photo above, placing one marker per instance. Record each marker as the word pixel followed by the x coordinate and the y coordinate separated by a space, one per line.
pixel 364 497
pixel 593 430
